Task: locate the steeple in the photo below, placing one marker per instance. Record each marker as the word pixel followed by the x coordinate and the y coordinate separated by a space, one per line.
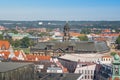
pixel 66 36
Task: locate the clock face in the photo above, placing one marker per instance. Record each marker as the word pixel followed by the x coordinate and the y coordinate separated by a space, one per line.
pixel 116 69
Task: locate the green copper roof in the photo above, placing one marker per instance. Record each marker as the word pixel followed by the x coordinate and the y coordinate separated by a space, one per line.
pixel 116 57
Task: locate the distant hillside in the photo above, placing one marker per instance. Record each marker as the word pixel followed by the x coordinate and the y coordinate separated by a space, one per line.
pixel 60 24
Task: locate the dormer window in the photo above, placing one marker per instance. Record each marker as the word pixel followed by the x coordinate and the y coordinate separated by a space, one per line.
pixel 3 47
pixel 70 48
pixel 49 47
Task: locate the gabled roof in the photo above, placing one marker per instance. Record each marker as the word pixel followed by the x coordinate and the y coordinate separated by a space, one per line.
pixel 5 54
pixel 4 43
pixel 19 55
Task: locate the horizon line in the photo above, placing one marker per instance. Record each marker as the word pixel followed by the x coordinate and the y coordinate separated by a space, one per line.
pixel 54 20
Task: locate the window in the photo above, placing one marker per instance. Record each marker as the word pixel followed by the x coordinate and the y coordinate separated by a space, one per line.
pixel 85 71
pixel 82 71
pixel 70 48
pixel 106 59
pixel 88 71
pixel 85 77
pixel 88 76
pixel 116 69
pixel 91 72
pixel 79 71
pixel 91 77
pixel 3 47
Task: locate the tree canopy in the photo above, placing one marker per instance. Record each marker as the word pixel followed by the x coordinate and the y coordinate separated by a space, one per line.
pixel 113 53
pixel 118 42
pixel 83 38
pixel 1 37
pixel 25 42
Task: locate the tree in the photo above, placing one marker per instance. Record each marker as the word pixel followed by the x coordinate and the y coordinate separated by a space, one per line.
pixel 1 37
pixel 17 43
pixel 83 38
pixel 25 42
pixel 118 42
pixel 113 53
pixel 14 31
pixel 86 31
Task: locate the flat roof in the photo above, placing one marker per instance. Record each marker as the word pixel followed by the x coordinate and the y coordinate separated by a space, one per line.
pixel 8 66
pixel 82 56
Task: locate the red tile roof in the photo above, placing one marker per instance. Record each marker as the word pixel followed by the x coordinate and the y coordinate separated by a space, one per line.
pixel 112 34
pixel 100 39
pixel 4 43
pixel 106 57
pixel 106 31
pixel 16 53
pixel 31 57
pixel 14 59
pixel 76 34
pixel 5 54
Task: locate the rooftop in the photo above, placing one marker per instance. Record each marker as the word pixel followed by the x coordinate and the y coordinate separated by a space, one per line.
pixel 59 76
pixel 86 56
pixel 4 44
pixel 8 66
pixel 79 46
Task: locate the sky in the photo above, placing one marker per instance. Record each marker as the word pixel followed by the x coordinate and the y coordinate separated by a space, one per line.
pixel 82 10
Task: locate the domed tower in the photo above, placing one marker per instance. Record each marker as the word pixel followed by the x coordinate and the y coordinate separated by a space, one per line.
pixel 66 34
pixel 116 67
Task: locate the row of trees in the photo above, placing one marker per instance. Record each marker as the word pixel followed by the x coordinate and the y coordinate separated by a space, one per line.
pixel 23 43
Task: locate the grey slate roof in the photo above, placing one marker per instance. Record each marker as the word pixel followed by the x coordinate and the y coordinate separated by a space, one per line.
pixel 8 66
pixel 59 76
pixel 78 46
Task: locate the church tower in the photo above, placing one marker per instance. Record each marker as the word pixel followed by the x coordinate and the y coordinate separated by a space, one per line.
pixel 116 68
pixel 66 34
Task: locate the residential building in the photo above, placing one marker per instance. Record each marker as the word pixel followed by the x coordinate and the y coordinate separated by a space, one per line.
pixel 87 69
pixel 103 72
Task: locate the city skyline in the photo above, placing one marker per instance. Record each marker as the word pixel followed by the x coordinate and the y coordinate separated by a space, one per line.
pixel 60 10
